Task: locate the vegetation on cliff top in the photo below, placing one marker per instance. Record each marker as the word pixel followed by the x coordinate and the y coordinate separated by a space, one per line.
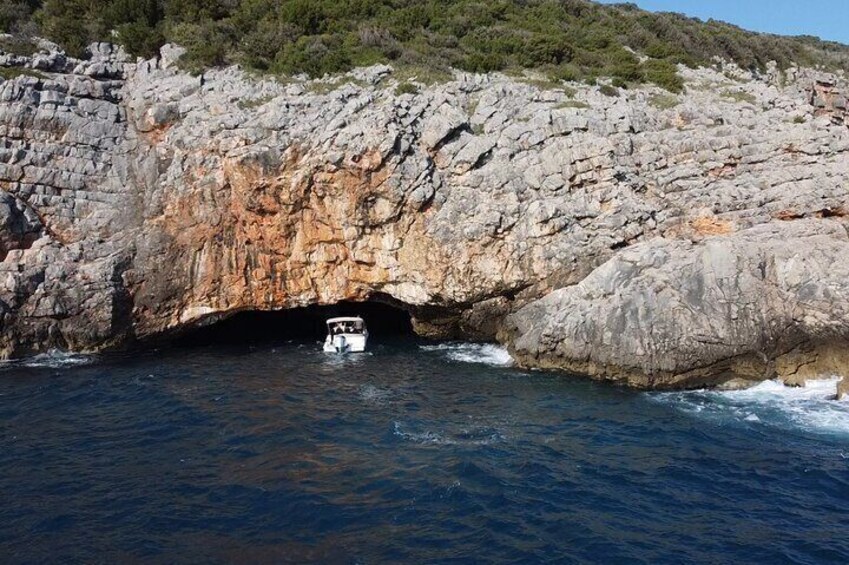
pixel 568 39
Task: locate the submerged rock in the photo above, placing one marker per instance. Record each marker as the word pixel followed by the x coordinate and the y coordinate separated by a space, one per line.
pixel 657 239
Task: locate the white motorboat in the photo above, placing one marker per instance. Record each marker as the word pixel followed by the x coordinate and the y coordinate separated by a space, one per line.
pixel 346 335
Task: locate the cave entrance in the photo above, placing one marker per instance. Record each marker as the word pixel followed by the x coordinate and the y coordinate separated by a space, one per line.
pixel 384 321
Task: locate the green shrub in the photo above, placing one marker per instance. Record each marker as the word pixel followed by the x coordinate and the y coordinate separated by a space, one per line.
pixel 739 96
pixel 621 64
pixel 567 73
pixel 608 90
pixel 664 74
pixel 572 104
pixel 406 88
pixel 199 11
pixel 15 16
pixel 146 12
pixel 254 103
pixel 542 50
pixel 482 62
pixel 568 91
pixel 74 24
pixel 140 39
pixel 308 16
pixel 314 55
pixel 17 46
pixel 206 45
pixel 259 45
pixel 10 73
pixel 660 50
pixel 663 101
pixel 566 39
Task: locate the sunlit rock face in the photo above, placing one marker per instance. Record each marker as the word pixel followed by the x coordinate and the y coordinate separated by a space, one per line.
pixel 140 200
pixel 769 301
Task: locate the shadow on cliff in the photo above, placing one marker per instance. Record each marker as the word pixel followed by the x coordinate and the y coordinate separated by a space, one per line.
pixel 308 324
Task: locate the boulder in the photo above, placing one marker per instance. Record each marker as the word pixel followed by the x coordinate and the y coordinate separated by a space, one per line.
pixel 672 314
pixel 441 125
pixel 169 55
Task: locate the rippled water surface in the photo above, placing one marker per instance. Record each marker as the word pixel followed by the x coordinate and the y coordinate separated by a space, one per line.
pixel 410 453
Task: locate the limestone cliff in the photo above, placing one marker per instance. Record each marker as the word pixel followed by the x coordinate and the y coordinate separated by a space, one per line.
pixel 645 236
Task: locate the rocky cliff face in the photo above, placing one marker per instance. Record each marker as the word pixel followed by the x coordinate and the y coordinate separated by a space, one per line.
pixel 662 240
pixel 762 302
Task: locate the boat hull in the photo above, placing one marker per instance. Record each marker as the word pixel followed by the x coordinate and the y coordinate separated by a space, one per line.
pixel 345 343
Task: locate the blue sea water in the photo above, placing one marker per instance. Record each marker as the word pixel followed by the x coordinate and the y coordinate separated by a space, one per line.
pixel 407 454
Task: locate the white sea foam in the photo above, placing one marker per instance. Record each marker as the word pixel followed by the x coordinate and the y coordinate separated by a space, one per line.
pixel 335 360
pixel 770 403
pixel 464 437
pixel 485 353
pixel 418 437
pixel 53 359
pixel 374 394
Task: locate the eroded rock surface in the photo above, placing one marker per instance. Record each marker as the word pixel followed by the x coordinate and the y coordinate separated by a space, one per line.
pixel 829 100
pixel 140 200
pixel 770 301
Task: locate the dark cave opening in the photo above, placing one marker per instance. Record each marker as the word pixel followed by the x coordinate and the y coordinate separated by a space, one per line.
pixel 383 320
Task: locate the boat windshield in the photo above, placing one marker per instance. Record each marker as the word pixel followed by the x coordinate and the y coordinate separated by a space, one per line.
pixel 347 327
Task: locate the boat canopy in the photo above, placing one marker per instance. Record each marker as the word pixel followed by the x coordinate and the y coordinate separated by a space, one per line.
pixel 354 319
